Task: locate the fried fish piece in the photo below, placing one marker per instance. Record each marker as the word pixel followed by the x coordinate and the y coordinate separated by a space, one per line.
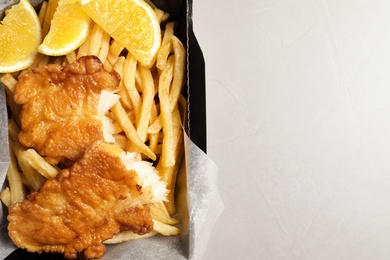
pixel 99 196
pixel 59 116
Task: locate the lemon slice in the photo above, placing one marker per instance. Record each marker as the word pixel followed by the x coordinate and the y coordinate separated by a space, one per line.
pixel 69 29
pixel 20 34
pixel 132 23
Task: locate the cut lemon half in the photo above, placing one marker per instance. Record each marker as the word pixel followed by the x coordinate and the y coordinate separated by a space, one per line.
pixel 133 23
pixel 20 35
pixel 69 29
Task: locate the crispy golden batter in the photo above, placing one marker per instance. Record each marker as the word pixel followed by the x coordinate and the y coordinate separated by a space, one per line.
pixel 59 115
pixel 83 206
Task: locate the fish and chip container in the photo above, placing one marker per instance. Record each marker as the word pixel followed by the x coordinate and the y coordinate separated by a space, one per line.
pixel 195 185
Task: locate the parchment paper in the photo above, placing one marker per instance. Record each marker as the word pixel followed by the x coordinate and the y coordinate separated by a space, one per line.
pixel 198 202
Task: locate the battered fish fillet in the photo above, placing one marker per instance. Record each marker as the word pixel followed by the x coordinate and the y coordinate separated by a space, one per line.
pixel 99 196
pixel 59 116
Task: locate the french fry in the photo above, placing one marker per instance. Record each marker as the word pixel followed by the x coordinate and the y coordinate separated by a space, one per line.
pixel 9 81
pixel 14 177
pixel 104 47
pixel 164 18
pixel 71 57
pixel 166 46
pixel 95 40
pixel 147 102
pixel 138 81
pixel 167 158
pixel 59 60
pixel 84 47
pixel 116 127
pixel 33 178
pixel 132 116
pixel 179 68
pixel 15 111
pixel 37 162
pixel 154 129
pixel 155 124
pixel 114 51
pixel 120 140
pixel 42 12
pixel 129 82
pixel 164 229
pixel 116 48
pixel 43 61
pixel 13 130
pixel 5 197
pixel 119 65
pixel 159 14
pixel 161 207
pixel 107 64
pixel 154 142
pixel 172 128
pixel 169 173
pixel 125 236
pixel 159 212
pixel 158 150
pixel 130 130
pixel 122 92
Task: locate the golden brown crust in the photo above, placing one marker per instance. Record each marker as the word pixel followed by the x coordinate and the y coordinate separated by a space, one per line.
pixel 83 206
pixel 59 107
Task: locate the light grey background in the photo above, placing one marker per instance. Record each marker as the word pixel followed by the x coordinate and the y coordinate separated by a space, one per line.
pixel 298 114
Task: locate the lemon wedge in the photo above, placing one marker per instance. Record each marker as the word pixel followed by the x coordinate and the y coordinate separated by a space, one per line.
pixel 20 35
pixel 69 29
pixel 133 23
